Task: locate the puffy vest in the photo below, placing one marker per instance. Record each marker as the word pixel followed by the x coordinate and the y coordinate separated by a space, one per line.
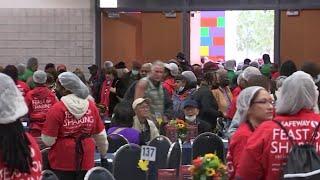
pixel 156 95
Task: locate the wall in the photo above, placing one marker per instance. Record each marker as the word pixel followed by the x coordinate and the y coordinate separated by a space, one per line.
pixel 56 31
pixel 300 37
pixel 140 36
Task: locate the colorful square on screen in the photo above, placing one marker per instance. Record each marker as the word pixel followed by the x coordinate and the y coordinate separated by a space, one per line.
pixel 209 22
pixel 220 22
pixel 204 32
pixel 205 41
pixel 218 41
pixel 204 50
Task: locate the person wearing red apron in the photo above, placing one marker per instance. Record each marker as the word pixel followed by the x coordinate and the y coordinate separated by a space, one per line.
pixel 20 157
pixel 254 105
pixel 39 101
pixel 266 151
pixel 73 128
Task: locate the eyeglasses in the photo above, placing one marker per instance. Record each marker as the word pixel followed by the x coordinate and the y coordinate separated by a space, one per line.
pixel 265 101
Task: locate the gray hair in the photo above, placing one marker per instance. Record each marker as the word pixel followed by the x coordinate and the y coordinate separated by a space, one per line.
pixel 157 63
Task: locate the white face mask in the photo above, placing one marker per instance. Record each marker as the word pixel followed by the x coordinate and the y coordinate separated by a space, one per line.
pixel 134 72
pixel 191 118
pixel 180 89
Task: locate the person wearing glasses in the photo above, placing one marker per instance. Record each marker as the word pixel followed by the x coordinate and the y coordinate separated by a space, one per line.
pixel 254 105
pixel 267 149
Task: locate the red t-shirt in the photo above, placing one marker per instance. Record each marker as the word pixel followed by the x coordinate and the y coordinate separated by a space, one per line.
pixel 233 107
pixel 268 147
pixel 35 170
pixel 39 101
pixel 62 124
pixel 169 85
pixel 236 91
pixel 23 87
pixel 237 143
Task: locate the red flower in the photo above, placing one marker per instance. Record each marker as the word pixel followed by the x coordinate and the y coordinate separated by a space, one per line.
pixel 197 162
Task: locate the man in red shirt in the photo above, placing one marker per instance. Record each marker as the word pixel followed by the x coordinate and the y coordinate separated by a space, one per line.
pixel 171 70
pixel 73 128
pixel 39 101
pixel 267 149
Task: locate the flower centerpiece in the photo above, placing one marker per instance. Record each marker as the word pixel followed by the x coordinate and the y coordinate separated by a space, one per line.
pixel 208 167
pixel 181 127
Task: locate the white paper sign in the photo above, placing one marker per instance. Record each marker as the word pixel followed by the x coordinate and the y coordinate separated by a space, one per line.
pixel 148 153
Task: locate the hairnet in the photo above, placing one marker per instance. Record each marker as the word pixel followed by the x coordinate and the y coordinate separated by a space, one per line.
pixel 254 64
pixel 12 104
pixel 250 71
pixel 240 77
pixel 108 64
pixel 298 92
pixel 244 99
pixel 189 75
pixel 72 82
pixel 279 81
pixel 230 64
pixel 39 77
pixel 21 68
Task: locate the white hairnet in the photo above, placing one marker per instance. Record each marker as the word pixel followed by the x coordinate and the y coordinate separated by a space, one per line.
pixel 250 71
pixel 189 75
pixel 279 81
pixel 298 92
pixel 230 64
pixel 108 64
pixel 12 104
pixel 72 82
pixel 240 77
pixel 244 100
pixel 39 77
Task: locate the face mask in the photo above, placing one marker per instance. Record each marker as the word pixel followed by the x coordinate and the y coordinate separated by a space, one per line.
pixel 180 89
pixel 135 72
pixel 191 118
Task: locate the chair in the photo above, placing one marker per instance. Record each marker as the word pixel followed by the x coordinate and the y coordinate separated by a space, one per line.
pixel 208 143
pixel 175 156
pixel 162 143
pixel 48 175
pixel 125 164
pixel 45 158
pixel 98 173
pixel 115 142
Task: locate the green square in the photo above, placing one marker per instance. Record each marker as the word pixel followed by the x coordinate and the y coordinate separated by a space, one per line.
pixel 220 22
pixel 204 32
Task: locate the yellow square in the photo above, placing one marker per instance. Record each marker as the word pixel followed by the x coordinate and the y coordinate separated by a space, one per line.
pixel 204 50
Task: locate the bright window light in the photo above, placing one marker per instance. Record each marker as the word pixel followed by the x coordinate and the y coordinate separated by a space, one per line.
pixel 108 3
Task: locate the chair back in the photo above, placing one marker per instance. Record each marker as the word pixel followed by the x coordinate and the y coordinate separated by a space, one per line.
pixel 115 142
pixel 45 158
pixel 175 156
pixel 98 173
pixel 125 164
pixel 162 143
pixel 48 175
pixel 208 143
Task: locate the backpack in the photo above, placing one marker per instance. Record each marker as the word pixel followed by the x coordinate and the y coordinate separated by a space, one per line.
pixel 303 162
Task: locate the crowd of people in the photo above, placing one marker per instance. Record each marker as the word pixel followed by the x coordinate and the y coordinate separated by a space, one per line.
pixel 66 111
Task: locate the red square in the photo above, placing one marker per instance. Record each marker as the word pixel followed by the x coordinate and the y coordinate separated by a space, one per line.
pixel 208 22
pixel 218 41
pixel 216 58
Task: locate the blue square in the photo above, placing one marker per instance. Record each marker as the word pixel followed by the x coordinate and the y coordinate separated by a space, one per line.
pixel 205 41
